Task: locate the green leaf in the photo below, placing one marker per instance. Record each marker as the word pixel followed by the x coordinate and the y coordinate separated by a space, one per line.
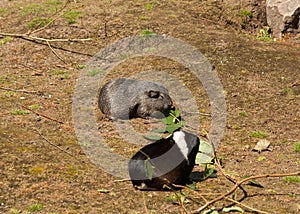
pixel 205 147
pixel 167 120
pixel 149 168
pixel 153 137
pixel 203 158
pixel 233 209
pixel 175 112
pixel 172 128
pixel 262 145
pixel 209 172
pixel 192 186
pixel 159 130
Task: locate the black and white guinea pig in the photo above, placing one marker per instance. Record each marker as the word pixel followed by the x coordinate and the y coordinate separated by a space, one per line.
pixel 164 162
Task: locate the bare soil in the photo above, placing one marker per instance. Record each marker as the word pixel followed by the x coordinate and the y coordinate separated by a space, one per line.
pixel 41 160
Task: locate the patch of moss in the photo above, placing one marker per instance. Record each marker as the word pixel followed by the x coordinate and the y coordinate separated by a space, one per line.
pixel 72 16
pixel 35 208
pixel 15 211
pixel 2 10
pixel 35 106
pixel 25 149
pixel 19 112
pixel 297 147
pixel 259 134
pixel 242 113
pixel 36 170
pixel 41 8
pixel 292 179
pixel 62 74
pixel 37 22
pixel 5 40
pixel 92 73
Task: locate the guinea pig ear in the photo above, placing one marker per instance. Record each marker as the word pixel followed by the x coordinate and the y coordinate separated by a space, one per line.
pixel 153 94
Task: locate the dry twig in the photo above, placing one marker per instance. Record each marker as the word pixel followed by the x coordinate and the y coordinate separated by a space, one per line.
pixel 35 38
pixel 233 189
pixel 54 52
pixel 246 206
pixel 20 90
pixel 42 115
pixel 52 144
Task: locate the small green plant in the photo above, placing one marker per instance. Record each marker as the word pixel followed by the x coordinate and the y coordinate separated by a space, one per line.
pixel 243 113
pixel 38 22
pixel 297 147
pixel 36 170
pixel 54 3
pixel 42 8
pixel 292 179
pixel 259 134
pixel 246 17
pixel 261 158
pixel 35 106
pixel 81 66
pixel 172 121
pixel 149 6
pixel 147 33
pixel 178 198
pixel 72 16
pixel 245 13
pixel 19 112
pixel 15 211
pixel 35 208
pixel 5 11
pixel 2 10
pixel 59 72
pixel 286 91
pixel 144 18
pixel 5 40
pixel 264 34
pixel 33 8
pixel 63 74
pixel 292 194
pixel 94 72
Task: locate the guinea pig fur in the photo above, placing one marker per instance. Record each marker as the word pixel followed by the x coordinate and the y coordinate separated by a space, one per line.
pixel 129 98
pixel 171 161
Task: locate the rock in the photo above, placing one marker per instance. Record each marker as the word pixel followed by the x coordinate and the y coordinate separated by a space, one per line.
pixel 283 16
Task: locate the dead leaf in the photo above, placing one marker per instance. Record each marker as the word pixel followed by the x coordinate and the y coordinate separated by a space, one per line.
pixel 262 145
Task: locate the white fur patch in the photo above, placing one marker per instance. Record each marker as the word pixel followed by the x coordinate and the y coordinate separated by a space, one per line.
pixel 179 138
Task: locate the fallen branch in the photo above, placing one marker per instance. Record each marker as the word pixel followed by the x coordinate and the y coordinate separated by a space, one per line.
pixel 245 206
pixel 232 190
pixel 54 52
pixel 229 177
pixel 35 38
pixel 52 144
pixel 43 115
pixel 20 90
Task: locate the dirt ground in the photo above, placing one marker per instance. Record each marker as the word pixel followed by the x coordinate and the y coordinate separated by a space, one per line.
pixel 43 168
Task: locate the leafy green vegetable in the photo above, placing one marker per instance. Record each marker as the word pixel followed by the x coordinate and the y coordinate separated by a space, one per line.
pixel 149 168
